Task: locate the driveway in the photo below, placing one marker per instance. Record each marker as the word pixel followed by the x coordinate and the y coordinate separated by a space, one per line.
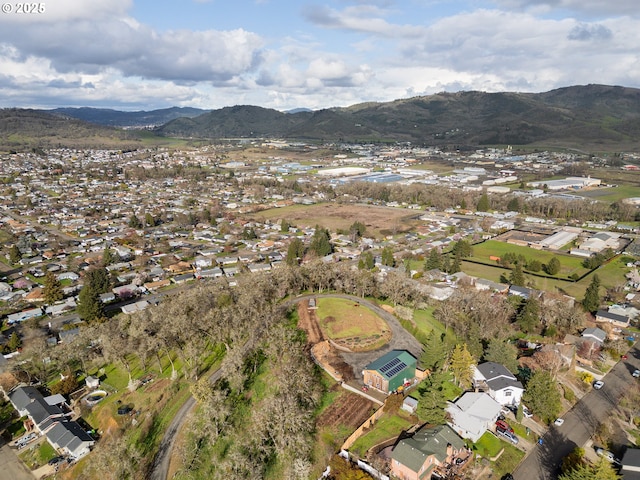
pixel 543 463
pixel 10 466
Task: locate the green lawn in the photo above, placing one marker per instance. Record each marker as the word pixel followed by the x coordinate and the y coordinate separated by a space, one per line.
pixel 568 264
pixel 488 446
pixel 612 194
pixel 387 427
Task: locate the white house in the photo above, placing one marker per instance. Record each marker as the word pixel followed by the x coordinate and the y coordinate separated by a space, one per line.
pixel 499 382
pixel 473 414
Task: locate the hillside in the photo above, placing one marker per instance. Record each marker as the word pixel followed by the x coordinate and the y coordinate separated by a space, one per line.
pixel 592 115
pixel 117 118
pixel 26 129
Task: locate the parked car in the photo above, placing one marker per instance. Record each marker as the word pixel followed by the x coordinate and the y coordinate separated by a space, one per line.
pixel 56 460
pixel 509 436
pixel 607 455
pixel 22 442
pixel 504 426
pixel 598 384
pixel 558 422
pixel 526 412
pixel 636 373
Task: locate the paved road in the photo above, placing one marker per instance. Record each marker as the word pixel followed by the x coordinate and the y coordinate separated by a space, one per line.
pixel 10 466
pixel 580 423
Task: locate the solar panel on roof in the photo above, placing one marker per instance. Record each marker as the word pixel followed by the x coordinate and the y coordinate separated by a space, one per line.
pixel 388 366
pixel 396 369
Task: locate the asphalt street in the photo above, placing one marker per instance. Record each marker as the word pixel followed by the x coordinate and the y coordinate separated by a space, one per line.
pixel 543 462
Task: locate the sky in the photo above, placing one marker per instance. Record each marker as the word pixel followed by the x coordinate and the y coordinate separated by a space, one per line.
pixel 286 54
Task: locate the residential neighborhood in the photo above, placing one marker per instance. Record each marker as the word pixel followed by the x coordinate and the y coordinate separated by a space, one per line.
pixel 465 296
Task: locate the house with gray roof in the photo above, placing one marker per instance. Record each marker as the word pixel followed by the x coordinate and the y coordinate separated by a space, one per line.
pixel 594 334
pixel 499 382
pixel 473 414
pixel 418 456
pixel 69 438
pixel 616 319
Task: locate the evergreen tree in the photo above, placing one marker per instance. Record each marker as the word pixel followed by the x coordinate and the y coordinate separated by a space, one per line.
pixel 432 400
pixel 295 252
pixel 356 230
pixel 529 317
pixel 14 254
pixel 149 220
pixel 517 275
pixel 534 265
pixel 98 279
pixel 435 352
pixel 134 222
pixel 90 307
pixel 284 226
pixel 14 343
pixel 369 261
pixel 108 257
pixel 513 205
pixel 320 243
pixel 456 265
pixel 387 257
pixel 483 203
pixel 52 289
pixel 591 300
pixel 249 233
pixel 553 267
pixel 463 249
pixel 502 352
pixel 461 366
pixel 446 264
pixel 433 260
pixel 542 396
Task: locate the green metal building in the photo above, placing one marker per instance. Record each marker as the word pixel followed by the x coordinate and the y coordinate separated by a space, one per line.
pixel 390 371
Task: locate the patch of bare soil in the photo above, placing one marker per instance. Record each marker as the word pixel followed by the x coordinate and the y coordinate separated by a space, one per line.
pixel 309 322
pixel 349 410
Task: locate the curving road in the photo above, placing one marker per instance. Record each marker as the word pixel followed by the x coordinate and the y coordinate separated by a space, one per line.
pixel 401 339
pixel 543 462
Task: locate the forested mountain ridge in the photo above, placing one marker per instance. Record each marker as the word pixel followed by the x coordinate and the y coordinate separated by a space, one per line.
pixel 591 117
pixel 117 118
pixel 581 115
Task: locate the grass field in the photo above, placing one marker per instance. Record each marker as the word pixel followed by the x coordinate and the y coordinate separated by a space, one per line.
pixel 348 323
pixel 378 220
pixel 612 194
pixel 610 274
pixel 568 264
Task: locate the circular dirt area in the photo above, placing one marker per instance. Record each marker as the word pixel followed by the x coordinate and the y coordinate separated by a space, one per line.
pixel 351 326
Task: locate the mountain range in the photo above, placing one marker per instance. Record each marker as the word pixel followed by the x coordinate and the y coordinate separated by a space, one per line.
pixel 590 117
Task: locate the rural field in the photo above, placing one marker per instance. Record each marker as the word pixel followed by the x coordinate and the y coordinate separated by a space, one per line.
pixel 568 264
pixel 379 221
pixel 610 274
pixel 351 325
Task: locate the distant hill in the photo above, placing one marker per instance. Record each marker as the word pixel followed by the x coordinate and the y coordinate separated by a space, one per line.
pixel 580 116
pixel 23 129
pixel 590 117
pixel 117 118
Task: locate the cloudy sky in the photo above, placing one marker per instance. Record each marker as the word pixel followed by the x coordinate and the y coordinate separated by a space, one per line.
pixel 283 54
